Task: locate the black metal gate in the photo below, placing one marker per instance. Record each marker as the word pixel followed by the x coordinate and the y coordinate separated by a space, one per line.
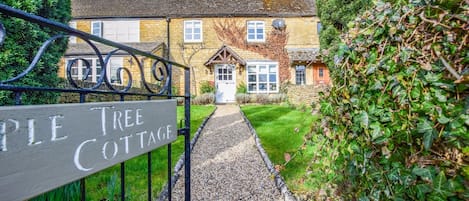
pixel 161 71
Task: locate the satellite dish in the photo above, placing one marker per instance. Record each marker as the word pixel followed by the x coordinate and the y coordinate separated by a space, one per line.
pixel 279 24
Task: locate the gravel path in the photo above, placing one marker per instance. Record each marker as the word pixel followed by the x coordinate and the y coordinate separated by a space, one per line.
pixel 226 164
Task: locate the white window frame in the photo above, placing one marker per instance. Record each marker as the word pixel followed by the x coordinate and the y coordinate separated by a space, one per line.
pixel 256 25
pixel 72 39
pixel 257 82
pixel 80 65
pixel 124 31
pixel 300 74
pixel 94 76
pixel 97 31
pixel 192 24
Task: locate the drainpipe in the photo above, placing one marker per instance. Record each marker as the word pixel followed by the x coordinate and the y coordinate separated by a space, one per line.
pixel 168 41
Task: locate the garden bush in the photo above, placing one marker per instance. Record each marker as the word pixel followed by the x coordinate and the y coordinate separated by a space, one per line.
pixel 204 99
pixel 242 98
pixel 207 87
pixel 395 123
pixel 23 40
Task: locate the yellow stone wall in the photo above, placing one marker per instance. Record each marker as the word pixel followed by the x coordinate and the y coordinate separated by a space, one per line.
pixel 302 32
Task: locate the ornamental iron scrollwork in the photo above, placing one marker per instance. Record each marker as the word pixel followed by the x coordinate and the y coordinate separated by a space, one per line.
pixel 160 67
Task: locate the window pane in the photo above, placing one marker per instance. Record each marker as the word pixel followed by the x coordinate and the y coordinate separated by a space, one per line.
pixel 196 36
pixel 230 77
pixel 262 86
pixel 260 36
pixel 220 77
pixel 252 78
pixel 272 87
pixel 262 69
pixel 262 78
pixel 252 87
pixel 272 78
pixel 225 77
pixel 251 69
pixel 251 31
pixel 197 30
pixel 321 72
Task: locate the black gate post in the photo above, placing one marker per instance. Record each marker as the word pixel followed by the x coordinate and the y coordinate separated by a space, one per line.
pixel 187 137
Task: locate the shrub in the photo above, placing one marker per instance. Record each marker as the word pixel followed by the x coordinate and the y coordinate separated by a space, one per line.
pixel 242 88
pixel 242 98
pixel 396 121
pixel 277 98
pixel 207 87
pixel 262 98
pixel 204 99
pixel 23 40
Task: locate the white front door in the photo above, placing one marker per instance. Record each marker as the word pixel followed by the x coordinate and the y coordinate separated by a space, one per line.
pixel 225 83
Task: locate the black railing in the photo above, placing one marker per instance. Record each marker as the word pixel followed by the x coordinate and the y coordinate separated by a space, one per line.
pixel 161 71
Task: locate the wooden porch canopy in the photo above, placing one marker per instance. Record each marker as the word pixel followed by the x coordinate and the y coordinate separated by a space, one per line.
pixel 225 55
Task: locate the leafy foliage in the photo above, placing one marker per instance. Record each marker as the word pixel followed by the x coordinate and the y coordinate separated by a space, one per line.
pixel 395 123
pixel 207 87
pixel 23 40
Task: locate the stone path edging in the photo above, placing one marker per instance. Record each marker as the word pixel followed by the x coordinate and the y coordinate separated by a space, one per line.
pixel 164 193
pixel 279 182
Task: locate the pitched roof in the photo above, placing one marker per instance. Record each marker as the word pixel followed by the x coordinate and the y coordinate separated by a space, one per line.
pixel 191 8
pixel 225 55
pixel 304 54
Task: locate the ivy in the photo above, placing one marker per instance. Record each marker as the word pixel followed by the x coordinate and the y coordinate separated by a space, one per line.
pixel 396 119
pixel 23 39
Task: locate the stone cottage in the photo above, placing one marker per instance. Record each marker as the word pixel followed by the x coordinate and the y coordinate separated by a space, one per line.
pixel 261 44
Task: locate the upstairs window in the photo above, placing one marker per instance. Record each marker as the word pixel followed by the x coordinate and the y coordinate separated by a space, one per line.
pixel 122 31
pixel 192 31
pixel 300 75
pixel 97 28
pixel 255 31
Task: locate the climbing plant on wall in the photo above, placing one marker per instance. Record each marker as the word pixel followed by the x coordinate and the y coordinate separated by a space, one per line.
pixel 233 33
pixel 396 121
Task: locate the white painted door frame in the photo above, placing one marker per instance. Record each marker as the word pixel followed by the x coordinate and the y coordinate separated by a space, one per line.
pixel 225 83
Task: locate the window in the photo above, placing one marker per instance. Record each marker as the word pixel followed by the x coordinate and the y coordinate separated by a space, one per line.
pixel 262 77
pixel 79 69
pixel 321 72
pixel 97 28
pixel 72 39
pixel 255 31
pixel 300 75
pixel 114 65
pixel 122 31
pixel 319 27
pixel 193 31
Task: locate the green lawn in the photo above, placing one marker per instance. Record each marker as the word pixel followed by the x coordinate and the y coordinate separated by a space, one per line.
pixel 282 130
pixel 105 185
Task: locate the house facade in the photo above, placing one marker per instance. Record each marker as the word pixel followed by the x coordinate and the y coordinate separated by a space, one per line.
pixel 261 45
